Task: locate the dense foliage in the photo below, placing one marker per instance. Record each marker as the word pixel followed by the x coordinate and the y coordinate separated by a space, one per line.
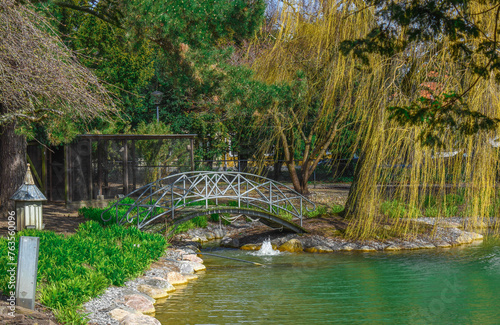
pixel 183 49
pixel 469 32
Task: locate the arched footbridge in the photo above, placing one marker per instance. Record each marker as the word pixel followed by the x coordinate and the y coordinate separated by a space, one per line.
pixel 181 197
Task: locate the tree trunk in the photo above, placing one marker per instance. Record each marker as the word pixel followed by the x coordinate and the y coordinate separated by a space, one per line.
pixel 304 177
pixel 299 182
pixel 352 204
pixel 12 165
pixel 277 170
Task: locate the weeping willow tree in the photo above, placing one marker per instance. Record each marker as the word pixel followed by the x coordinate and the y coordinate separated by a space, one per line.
pixel 437 139
pixel 398 166
pixel 425 120
pixel 325 88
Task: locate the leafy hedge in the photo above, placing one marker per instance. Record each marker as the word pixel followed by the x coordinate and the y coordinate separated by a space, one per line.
pixel 73 269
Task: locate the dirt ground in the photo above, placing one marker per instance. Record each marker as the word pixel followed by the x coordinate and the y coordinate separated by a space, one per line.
pixel 333 194
pixel 55 217
pixel 24 316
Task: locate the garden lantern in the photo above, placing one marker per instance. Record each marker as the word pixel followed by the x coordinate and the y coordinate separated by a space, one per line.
pixel 28 200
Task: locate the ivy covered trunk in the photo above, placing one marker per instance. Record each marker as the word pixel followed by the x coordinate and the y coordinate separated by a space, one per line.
pixel 12 165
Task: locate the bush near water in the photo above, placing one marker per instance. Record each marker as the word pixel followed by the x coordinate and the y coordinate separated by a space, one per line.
pixel 73 269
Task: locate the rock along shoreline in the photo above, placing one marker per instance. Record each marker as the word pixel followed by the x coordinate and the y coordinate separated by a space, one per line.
pixel 446 235
pixel 134 303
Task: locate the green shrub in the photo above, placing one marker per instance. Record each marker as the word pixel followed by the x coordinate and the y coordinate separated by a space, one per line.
pixel 453 199
pixel 320 210
pixel 200 222
pixel 215 217
pixel 429 201
pixel 337 208
pixel 232 203
pixel 443 206
pixel 286 215
pixel 348 179
pixel 73 269
pixel 451 211
pixel 118 213
pixel 184 227
pixel 431 212
pixel 197 222
pixel 394 209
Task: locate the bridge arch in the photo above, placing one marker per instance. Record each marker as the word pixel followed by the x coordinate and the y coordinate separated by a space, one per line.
pixel 181 197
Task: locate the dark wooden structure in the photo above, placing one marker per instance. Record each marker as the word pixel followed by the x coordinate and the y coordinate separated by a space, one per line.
pixel 102 166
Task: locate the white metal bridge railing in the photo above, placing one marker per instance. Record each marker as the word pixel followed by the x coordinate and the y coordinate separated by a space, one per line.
pixel 170 196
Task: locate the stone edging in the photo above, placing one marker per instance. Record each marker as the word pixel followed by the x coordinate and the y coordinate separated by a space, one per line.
pixel 447 234
pixel 443 238
pixel 133 304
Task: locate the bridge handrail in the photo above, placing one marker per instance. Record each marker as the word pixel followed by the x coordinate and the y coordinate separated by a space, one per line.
pixel 143 195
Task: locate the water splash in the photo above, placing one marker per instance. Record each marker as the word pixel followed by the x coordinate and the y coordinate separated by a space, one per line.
pixel 266 249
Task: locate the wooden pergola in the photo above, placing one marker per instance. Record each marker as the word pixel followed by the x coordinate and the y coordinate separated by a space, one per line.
pixel 85 169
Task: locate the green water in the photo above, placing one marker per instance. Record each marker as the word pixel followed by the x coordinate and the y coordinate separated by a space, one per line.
pixel 445 286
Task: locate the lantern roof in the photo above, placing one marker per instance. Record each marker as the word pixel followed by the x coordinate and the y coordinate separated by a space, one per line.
pixel 28 191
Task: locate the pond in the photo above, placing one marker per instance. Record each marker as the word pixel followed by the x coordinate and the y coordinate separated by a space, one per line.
pixel 442 286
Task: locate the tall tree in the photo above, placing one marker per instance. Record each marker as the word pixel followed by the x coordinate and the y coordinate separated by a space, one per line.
pixel 324 87
pixel 448 51
pixel 470 30
pixel 194 40
pixel 41 83
pixel 125 66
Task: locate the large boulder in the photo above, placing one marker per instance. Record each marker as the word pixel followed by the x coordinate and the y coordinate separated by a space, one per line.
pixel 199 239
pixel 190 277
pixel 319 249
pixel 393 247
pixel 175 278
pixel 153 292
pixel 218 233
pixel 250 247
pixel 119 314
pixel 468 237
pixel 192 258
pixel 366 248
pixel 292 246
pixel 197 267
pixel 130 291
pixel 442 244
pixel 139 303
pixel 134 319
pixel 160 283
pixel 230 242
pixel 209 235
pixel 349 247
pixel 185 267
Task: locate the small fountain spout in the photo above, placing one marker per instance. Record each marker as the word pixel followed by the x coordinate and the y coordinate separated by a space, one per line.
pixel 267 249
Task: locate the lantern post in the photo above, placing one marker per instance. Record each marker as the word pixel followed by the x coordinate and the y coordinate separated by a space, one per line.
pixel 28 199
